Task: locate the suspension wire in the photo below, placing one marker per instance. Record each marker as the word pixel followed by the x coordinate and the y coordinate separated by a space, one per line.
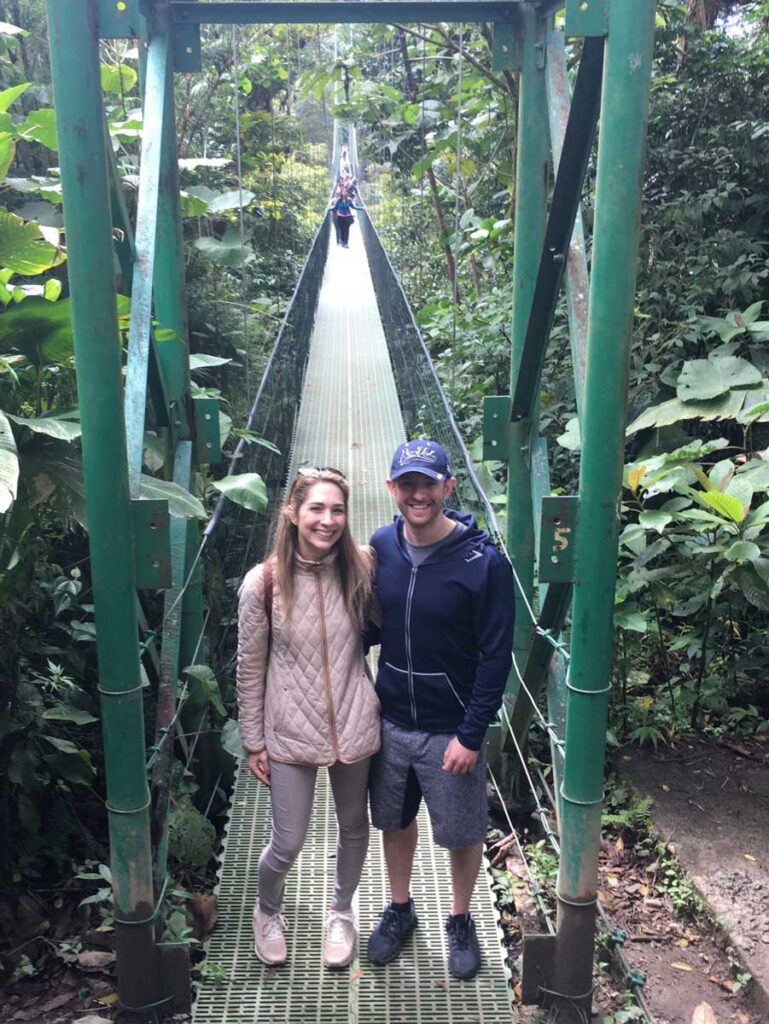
pixel 536 888
pixel 541 811
pixel 167 729
pixel 455 283
pixel 423 225
pixel 241 214
pixel 615 936
pixel 542 721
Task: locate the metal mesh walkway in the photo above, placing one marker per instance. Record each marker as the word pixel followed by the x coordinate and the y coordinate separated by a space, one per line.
pixel 350 419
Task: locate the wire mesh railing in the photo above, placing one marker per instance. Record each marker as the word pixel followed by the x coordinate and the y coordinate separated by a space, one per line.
pixel 425 408
pixel 266 447
pixel 427 412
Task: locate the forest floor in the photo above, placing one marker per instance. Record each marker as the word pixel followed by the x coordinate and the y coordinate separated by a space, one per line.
pixel 689 885
pixel 692 894
pixel 711 807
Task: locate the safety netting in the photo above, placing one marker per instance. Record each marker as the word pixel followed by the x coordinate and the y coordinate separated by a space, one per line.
pixel 425 407
pixel 239 537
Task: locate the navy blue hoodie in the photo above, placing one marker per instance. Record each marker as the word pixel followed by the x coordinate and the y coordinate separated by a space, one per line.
pixel 446 634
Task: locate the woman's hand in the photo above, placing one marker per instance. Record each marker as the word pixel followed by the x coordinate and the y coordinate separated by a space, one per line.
pixel 259 765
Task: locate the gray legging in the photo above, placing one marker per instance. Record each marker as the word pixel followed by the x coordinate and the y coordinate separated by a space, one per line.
pixel 292 792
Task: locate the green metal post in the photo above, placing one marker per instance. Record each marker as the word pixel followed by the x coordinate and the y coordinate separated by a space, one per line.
pixel 531 182
pixel 615 256
pixel 80 120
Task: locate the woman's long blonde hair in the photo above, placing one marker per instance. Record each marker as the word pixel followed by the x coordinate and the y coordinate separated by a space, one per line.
pixel 355 564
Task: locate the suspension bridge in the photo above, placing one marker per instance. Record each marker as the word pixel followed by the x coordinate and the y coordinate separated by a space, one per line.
pixel 348 375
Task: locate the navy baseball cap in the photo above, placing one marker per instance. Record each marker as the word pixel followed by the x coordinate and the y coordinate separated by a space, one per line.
pixel 421 456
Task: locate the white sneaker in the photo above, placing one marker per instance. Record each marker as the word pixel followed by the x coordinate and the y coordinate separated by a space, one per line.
pixel 269 937
pixel 339 940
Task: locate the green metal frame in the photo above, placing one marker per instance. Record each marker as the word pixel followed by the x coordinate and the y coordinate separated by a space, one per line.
pixel 133 543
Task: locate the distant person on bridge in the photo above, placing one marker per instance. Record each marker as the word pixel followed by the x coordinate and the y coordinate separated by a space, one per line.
pixel 446 597
pixel 342 210
pixel 345 167
pixel 306 698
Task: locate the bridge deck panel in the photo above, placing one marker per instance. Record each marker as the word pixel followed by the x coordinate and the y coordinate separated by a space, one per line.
pixel 350 418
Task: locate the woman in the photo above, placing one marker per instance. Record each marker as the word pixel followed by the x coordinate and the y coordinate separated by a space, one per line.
pixel 306 698
pixel 342 210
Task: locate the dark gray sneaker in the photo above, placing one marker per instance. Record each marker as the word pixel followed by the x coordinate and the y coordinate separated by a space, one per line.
pixel 464 951
pixel 386 940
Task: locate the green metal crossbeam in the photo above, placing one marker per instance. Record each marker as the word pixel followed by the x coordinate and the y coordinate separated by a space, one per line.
pixel 146 228
pixel 577 144
pixel 386 12
pixel 577 281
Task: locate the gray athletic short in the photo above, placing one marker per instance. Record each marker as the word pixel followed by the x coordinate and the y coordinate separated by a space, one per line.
pixel 407 767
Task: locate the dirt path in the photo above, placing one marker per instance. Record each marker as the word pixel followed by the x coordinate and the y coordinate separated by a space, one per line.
pixel 711 804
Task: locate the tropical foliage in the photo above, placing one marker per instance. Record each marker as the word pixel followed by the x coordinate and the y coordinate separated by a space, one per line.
pixel 437 131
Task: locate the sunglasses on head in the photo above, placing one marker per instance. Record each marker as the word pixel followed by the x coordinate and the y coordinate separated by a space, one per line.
pixel 317 470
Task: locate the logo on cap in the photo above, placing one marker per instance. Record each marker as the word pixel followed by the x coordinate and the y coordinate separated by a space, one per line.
pixel 421 456
pixel 422 451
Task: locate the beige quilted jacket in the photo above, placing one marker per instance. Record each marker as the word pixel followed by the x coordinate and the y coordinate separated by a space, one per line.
pixel 312 701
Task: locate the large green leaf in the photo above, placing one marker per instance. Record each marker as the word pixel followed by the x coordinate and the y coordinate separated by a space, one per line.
pixel 753 586
pixel 9 96
pixel 655 520
pixel 48 188
pixel 6 29
pixel 192 206
pixel 192 163
pixel 725 329
pixel 742 551
pixel 225 426
pixel 209 684
pixel 674 410
pixel 41 127
pixel 118 78
pixel 203 193
pixel 230 739
pixel 570 438
pixel 54 426
pixel 725 504
pixel 203 361
pixel 742 490
pixel 228 251
pixel 41 330
pixel 9 465
pixel 246 489
pixel 754 412
pixel 7 152
pixel 231 200
pixel 68 713
pixel 181 503
pixel 629 618
pixel 53 472
pixel 23 249
pixel 702 379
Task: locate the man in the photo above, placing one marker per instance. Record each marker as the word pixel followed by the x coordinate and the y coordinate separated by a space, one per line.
pixel 446 637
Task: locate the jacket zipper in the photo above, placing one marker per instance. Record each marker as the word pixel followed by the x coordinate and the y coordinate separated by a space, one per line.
pixel 409 596
pixel 326 673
